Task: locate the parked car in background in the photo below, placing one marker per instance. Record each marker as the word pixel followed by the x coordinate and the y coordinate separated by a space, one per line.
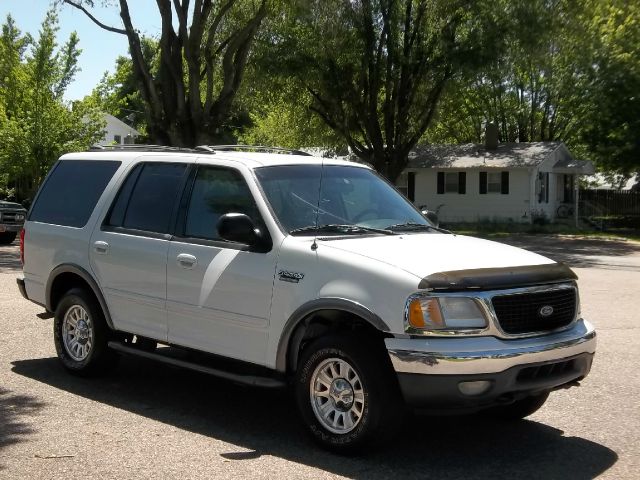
pixel 12 217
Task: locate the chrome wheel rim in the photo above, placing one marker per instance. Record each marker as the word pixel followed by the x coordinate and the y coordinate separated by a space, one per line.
pixel 77 333
pixel 337 396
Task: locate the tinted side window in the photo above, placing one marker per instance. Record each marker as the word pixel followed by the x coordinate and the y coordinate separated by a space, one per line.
pixel 217 191
pixel 152 199
pixel 119 208
pixel 71 192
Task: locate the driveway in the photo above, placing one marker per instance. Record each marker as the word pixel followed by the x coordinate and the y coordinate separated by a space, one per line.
pixel 152 421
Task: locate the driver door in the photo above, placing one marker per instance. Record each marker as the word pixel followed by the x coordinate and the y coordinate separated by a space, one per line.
pixel 218 292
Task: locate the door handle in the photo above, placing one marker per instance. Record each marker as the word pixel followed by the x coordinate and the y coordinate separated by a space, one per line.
pixel 186 261
pixel 101 247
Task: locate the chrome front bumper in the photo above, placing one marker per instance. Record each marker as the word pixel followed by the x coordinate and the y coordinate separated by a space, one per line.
pixel 486 355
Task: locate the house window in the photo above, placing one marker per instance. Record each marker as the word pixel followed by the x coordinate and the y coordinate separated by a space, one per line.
pixel 452 182
pixel 117 139
pixel 494 182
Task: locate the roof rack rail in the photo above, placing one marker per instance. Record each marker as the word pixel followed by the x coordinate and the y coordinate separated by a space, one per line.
pixel 148 148
pixel 261 148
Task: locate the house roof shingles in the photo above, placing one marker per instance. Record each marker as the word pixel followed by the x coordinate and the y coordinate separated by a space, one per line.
pixel 470 155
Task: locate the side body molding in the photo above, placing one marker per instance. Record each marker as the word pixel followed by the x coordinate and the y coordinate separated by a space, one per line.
pixel 86 276
pixel 328 303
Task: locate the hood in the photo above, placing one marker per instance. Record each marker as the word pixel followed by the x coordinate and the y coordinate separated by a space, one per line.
pixel 428 253
pixel 11 205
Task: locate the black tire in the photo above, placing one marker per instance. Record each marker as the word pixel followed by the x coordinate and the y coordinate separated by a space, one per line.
pixel 99 358
pixel 7 238
pixel 520 408
pixel 382 411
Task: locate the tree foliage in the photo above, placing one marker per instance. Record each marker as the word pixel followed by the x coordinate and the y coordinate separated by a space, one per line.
pixel 611 130
pixel 118 94
pixel 202 54
pixel 375 69
pixel 36 125
pixel 569 73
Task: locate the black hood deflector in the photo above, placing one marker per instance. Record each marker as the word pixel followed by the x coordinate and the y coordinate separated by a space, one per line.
pixel 498 278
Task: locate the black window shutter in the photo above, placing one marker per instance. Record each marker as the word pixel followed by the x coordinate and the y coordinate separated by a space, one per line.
pixel 546 190
pixel 504 189
pixel 462 182
pixel 483 182
pixel 440 182
pixel 411 186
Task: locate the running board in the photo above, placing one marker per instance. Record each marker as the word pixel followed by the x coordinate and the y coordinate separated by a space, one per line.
pixel 253 380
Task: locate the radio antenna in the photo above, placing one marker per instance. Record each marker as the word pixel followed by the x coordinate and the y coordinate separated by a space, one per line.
pixel 314 245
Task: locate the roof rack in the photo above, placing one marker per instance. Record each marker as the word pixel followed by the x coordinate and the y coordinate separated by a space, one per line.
pixel 249 148
pixel 149 148
pixel 198 149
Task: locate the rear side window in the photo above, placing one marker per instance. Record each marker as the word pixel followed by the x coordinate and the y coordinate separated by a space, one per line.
pixel 148 196
pixel 71 192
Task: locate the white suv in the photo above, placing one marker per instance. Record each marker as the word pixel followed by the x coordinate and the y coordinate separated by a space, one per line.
pixel 307 272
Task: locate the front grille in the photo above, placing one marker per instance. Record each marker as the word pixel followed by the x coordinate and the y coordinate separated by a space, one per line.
pixel 522 312
pixel 10 218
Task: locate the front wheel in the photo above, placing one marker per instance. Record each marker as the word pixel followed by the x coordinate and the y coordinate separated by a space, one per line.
pixel 520 408
pixel 347 394
pixel 81 334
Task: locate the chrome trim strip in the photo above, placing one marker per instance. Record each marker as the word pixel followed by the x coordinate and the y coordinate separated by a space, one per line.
pixel 477 355
pixel 483 299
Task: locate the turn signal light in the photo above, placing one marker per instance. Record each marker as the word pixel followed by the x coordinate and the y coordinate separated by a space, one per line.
pixel 425 313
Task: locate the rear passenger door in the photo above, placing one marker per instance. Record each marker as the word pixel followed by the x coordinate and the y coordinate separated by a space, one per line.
pixel 129 250
pixel 218 292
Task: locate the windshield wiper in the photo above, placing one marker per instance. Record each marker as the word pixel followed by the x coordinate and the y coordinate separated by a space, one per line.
pixel 414 226
pixel 340 228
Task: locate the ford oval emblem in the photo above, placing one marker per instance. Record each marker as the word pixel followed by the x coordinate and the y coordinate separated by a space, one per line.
pixel 546 311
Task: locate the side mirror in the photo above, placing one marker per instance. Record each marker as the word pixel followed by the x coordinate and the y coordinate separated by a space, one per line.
pixel 238 227
pixel 432 217
pixel 429 215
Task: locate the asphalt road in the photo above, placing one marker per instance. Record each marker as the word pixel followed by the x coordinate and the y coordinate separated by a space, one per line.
pixel 148 420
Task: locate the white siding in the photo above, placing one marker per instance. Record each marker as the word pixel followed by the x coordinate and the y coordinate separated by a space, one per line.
pixel 473 206
pixel 115 127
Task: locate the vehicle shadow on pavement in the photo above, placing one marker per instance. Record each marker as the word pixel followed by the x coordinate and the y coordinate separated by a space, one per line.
pixel 581 252
pixel 9 258
pixel 15 410
pixel 264 422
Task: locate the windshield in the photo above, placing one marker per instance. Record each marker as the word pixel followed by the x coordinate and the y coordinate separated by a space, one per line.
pixel 350 197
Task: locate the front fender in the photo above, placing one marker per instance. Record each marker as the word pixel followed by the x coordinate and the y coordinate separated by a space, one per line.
pixel 328 303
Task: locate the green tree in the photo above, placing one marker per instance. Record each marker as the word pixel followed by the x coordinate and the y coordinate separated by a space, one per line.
pixel 612 122
pixel 376 69
pixel 36 125
pixel 534 90
pixel 204 46
pixel 118 94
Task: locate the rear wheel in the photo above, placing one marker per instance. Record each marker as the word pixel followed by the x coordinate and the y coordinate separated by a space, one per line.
pixel 347 394
pixel 81 334
pixel 520 408
pixel 7 238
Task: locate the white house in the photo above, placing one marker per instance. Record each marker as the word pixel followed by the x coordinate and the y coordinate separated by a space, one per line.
pixel 116 131
pixel 509 182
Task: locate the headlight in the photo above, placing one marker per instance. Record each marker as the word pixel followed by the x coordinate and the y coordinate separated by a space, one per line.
pixel 443 313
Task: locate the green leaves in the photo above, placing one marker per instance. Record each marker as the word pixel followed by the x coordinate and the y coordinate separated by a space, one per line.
pixel 36 125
